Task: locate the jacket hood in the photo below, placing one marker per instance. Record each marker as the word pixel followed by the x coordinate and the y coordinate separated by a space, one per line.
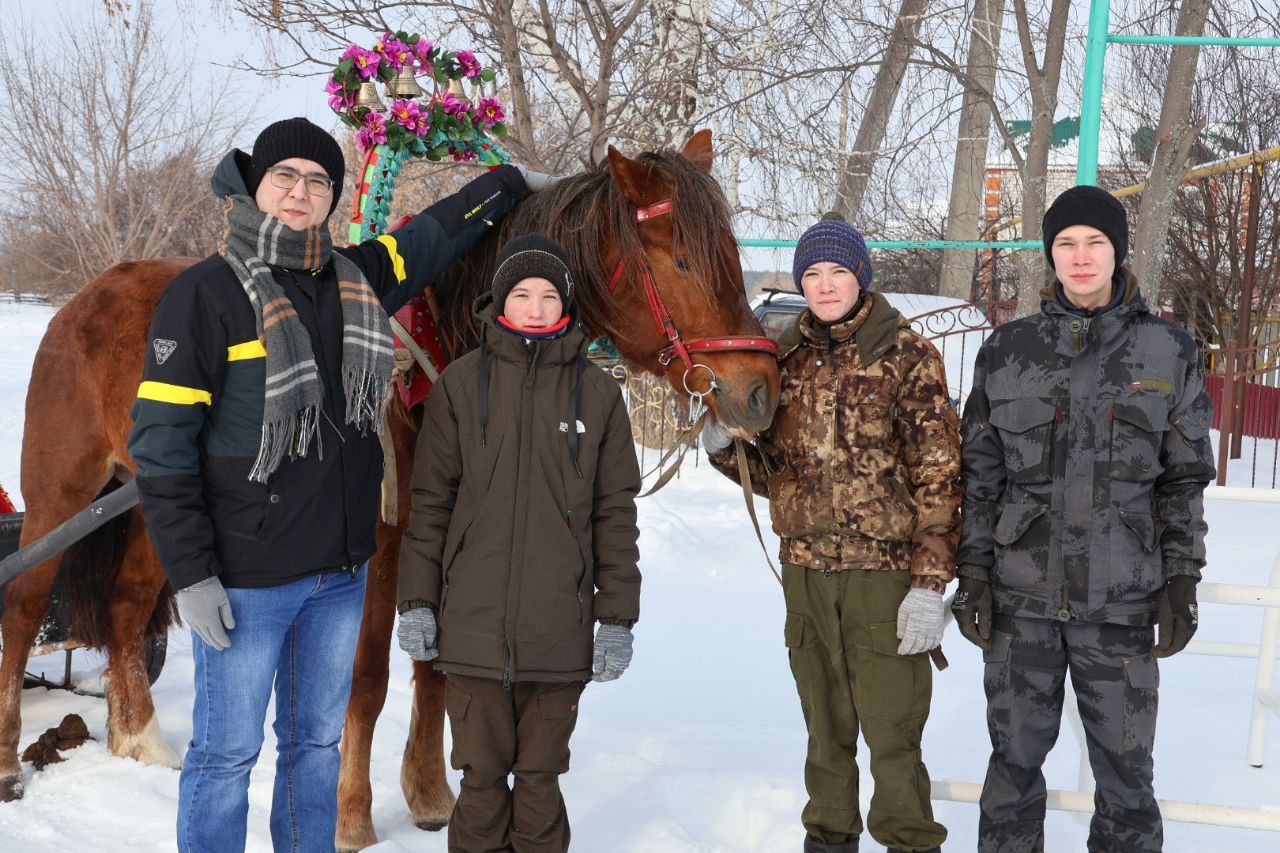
pixel 228 176
pixel 873 333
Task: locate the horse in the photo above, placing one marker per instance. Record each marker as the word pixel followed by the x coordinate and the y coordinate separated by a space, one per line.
pixel 649 235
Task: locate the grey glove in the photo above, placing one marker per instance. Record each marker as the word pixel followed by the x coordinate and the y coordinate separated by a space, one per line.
pixel 204 608
pixel 536 180
pixel 416 633
pixel 920 621
pixel 612 653
pixel 715 437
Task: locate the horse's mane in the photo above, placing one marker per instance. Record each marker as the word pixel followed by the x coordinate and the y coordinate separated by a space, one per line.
pixel 579 212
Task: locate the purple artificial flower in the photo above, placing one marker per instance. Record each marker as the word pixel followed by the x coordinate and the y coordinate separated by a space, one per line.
pixel 490 112
pixel 405 113
pixel 339 97
pixel 374 131
pixel 468 64
pixel 453 105
pixel 462 155
pixel 421 124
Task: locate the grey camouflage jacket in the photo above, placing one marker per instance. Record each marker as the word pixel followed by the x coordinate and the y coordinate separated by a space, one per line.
pixel 1086 453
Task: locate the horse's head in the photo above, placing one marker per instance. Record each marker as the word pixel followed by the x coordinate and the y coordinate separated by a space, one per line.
pixel 679 304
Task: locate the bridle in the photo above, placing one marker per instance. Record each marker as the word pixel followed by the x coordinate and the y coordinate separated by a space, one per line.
pixel 678 345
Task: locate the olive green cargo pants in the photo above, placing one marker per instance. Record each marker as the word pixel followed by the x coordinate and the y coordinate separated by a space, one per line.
pixel 841 635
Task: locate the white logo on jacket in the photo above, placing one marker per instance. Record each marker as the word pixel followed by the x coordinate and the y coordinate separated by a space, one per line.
pixel 582 428
pixel 163 349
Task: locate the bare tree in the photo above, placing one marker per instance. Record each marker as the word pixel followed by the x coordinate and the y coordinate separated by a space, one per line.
pixel 128 148
pixel 1174 137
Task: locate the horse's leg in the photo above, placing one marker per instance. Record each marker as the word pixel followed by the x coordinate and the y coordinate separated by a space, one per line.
pixel 26 601
pixel 132 730
pixel 422 774
pixel 368 693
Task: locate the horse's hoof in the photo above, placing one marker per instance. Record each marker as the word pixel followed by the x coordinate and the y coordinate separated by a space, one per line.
pixel 353 841
pixel 11 789
pixel 432 824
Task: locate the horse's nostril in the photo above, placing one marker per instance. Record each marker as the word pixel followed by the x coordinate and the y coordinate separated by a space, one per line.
pixel 755 400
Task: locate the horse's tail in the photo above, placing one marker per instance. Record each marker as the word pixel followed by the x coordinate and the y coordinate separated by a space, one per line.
pixel 85 576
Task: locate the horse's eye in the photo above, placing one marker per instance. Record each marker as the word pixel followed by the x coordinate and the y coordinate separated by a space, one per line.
pixel 680 264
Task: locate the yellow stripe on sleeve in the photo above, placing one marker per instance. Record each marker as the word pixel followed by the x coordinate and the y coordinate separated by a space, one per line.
pixel 393 250
pixel 246 350
pixel 163 392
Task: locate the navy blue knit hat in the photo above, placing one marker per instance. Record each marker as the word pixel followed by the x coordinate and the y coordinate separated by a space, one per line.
pixel 834 240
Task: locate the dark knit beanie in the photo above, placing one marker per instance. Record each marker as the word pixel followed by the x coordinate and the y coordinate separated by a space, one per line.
pixel 296 137
pixel 532 256
pixel 836 241
pixel 1087 205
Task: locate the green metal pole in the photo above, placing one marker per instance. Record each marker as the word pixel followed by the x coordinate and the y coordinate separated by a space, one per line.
pixel 1095 54
pixel 1207 40
pixel 908 244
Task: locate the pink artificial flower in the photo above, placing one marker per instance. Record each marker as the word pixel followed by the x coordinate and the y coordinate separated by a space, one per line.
pixel 421 124
pixel 462 155
pixel 453 105
pixel 468 64
pixel 393 51
pixel 374 131
pixel 422 51
pixel 339 97
pixel 364 62
pixel 405 113
pixel 490 112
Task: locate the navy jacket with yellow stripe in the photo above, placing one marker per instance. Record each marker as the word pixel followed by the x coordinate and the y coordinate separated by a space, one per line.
pixel 197 420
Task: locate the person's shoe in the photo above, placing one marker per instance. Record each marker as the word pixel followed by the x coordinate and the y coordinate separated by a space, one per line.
pixel 930 850
pixel 813 845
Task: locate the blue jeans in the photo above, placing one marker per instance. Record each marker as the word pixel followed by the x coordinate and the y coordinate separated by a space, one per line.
pixel 302 636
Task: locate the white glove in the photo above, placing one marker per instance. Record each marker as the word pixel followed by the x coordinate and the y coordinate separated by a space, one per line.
pixel 920 619
pixel 715 437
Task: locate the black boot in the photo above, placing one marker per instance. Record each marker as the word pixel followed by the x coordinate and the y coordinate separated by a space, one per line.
pixel 813 845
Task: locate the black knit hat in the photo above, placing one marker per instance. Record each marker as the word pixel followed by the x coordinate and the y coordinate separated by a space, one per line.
pixel 532 256
pixel 296 137
pixel 1087 205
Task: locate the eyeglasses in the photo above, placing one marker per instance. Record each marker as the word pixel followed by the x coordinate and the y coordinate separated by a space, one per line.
pixel 286 179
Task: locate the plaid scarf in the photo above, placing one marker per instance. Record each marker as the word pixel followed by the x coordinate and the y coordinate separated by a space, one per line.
pixel 252 243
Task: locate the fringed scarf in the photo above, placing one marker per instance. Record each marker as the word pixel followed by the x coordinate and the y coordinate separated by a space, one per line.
pixel 253 242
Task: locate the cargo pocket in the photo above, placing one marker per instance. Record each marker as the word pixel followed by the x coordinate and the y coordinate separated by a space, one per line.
pixel 456 704
pixel 1028 431
pixel 887 685
pixel 1136 568
pixel 799 636
pixel 995 680
pixel 1015 520
pixel 557 716
pixel 1141 699
pixel 1137 429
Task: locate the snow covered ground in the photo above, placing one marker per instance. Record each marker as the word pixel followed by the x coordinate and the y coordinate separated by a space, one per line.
pixel 700 747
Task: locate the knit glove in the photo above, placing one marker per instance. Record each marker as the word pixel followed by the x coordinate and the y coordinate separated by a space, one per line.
pixel 972 609
pixel 612 653
pixel 920 621
pixel 715 437
pixel 1178 617
pixel 204 608
pixel 416 633
pixel 536 180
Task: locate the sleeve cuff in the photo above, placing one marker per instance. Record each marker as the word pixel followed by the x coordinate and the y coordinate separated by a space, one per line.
pixel 933 582
pixel 414 604
pixel 974 572
pixel 625 623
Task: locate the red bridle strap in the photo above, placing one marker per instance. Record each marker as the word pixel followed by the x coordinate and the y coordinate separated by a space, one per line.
pixel 662 317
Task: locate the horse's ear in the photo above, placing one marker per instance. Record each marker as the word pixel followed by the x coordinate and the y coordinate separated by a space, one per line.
pixel 698 149
pixel 631 177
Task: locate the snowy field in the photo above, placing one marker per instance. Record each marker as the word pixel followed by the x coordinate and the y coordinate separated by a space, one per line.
pixel 700 746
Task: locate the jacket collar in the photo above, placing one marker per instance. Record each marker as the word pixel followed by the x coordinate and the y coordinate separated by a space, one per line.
pixel 1107 325
pixel 506 346
pixel 873 329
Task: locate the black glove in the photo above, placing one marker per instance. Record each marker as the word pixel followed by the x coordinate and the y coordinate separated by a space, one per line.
pixel 1179 616
pixel 972 609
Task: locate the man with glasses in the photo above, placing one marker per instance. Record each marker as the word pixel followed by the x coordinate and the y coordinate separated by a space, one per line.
pixel 259 465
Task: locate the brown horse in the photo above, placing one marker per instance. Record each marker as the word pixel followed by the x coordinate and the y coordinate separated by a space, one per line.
pixel 84 380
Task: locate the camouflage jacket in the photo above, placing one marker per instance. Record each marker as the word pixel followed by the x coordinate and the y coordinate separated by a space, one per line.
pixel 1086 454
pixel 860 464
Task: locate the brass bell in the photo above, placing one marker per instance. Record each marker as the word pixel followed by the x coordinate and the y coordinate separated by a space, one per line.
pixel 459 92
pixel 368 97
pixel 404 86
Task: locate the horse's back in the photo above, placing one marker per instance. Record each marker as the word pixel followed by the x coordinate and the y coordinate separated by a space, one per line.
pixel 85 374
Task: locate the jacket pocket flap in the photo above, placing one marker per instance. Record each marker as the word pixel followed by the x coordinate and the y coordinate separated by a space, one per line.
pixel 1022 415
pixel 1149 414
pixel 1192 427
pixel 560 703
pixel 998 651
pixel 1142 525
pixel 1014 521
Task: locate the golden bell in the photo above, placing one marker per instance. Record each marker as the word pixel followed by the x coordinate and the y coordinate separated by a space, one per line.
pixel 456 87
pixel 404 86
pixel 368 97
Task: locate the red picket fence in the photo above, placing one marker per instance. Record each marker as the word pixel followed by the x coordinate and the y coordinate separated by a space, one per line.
pixel 1261 407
